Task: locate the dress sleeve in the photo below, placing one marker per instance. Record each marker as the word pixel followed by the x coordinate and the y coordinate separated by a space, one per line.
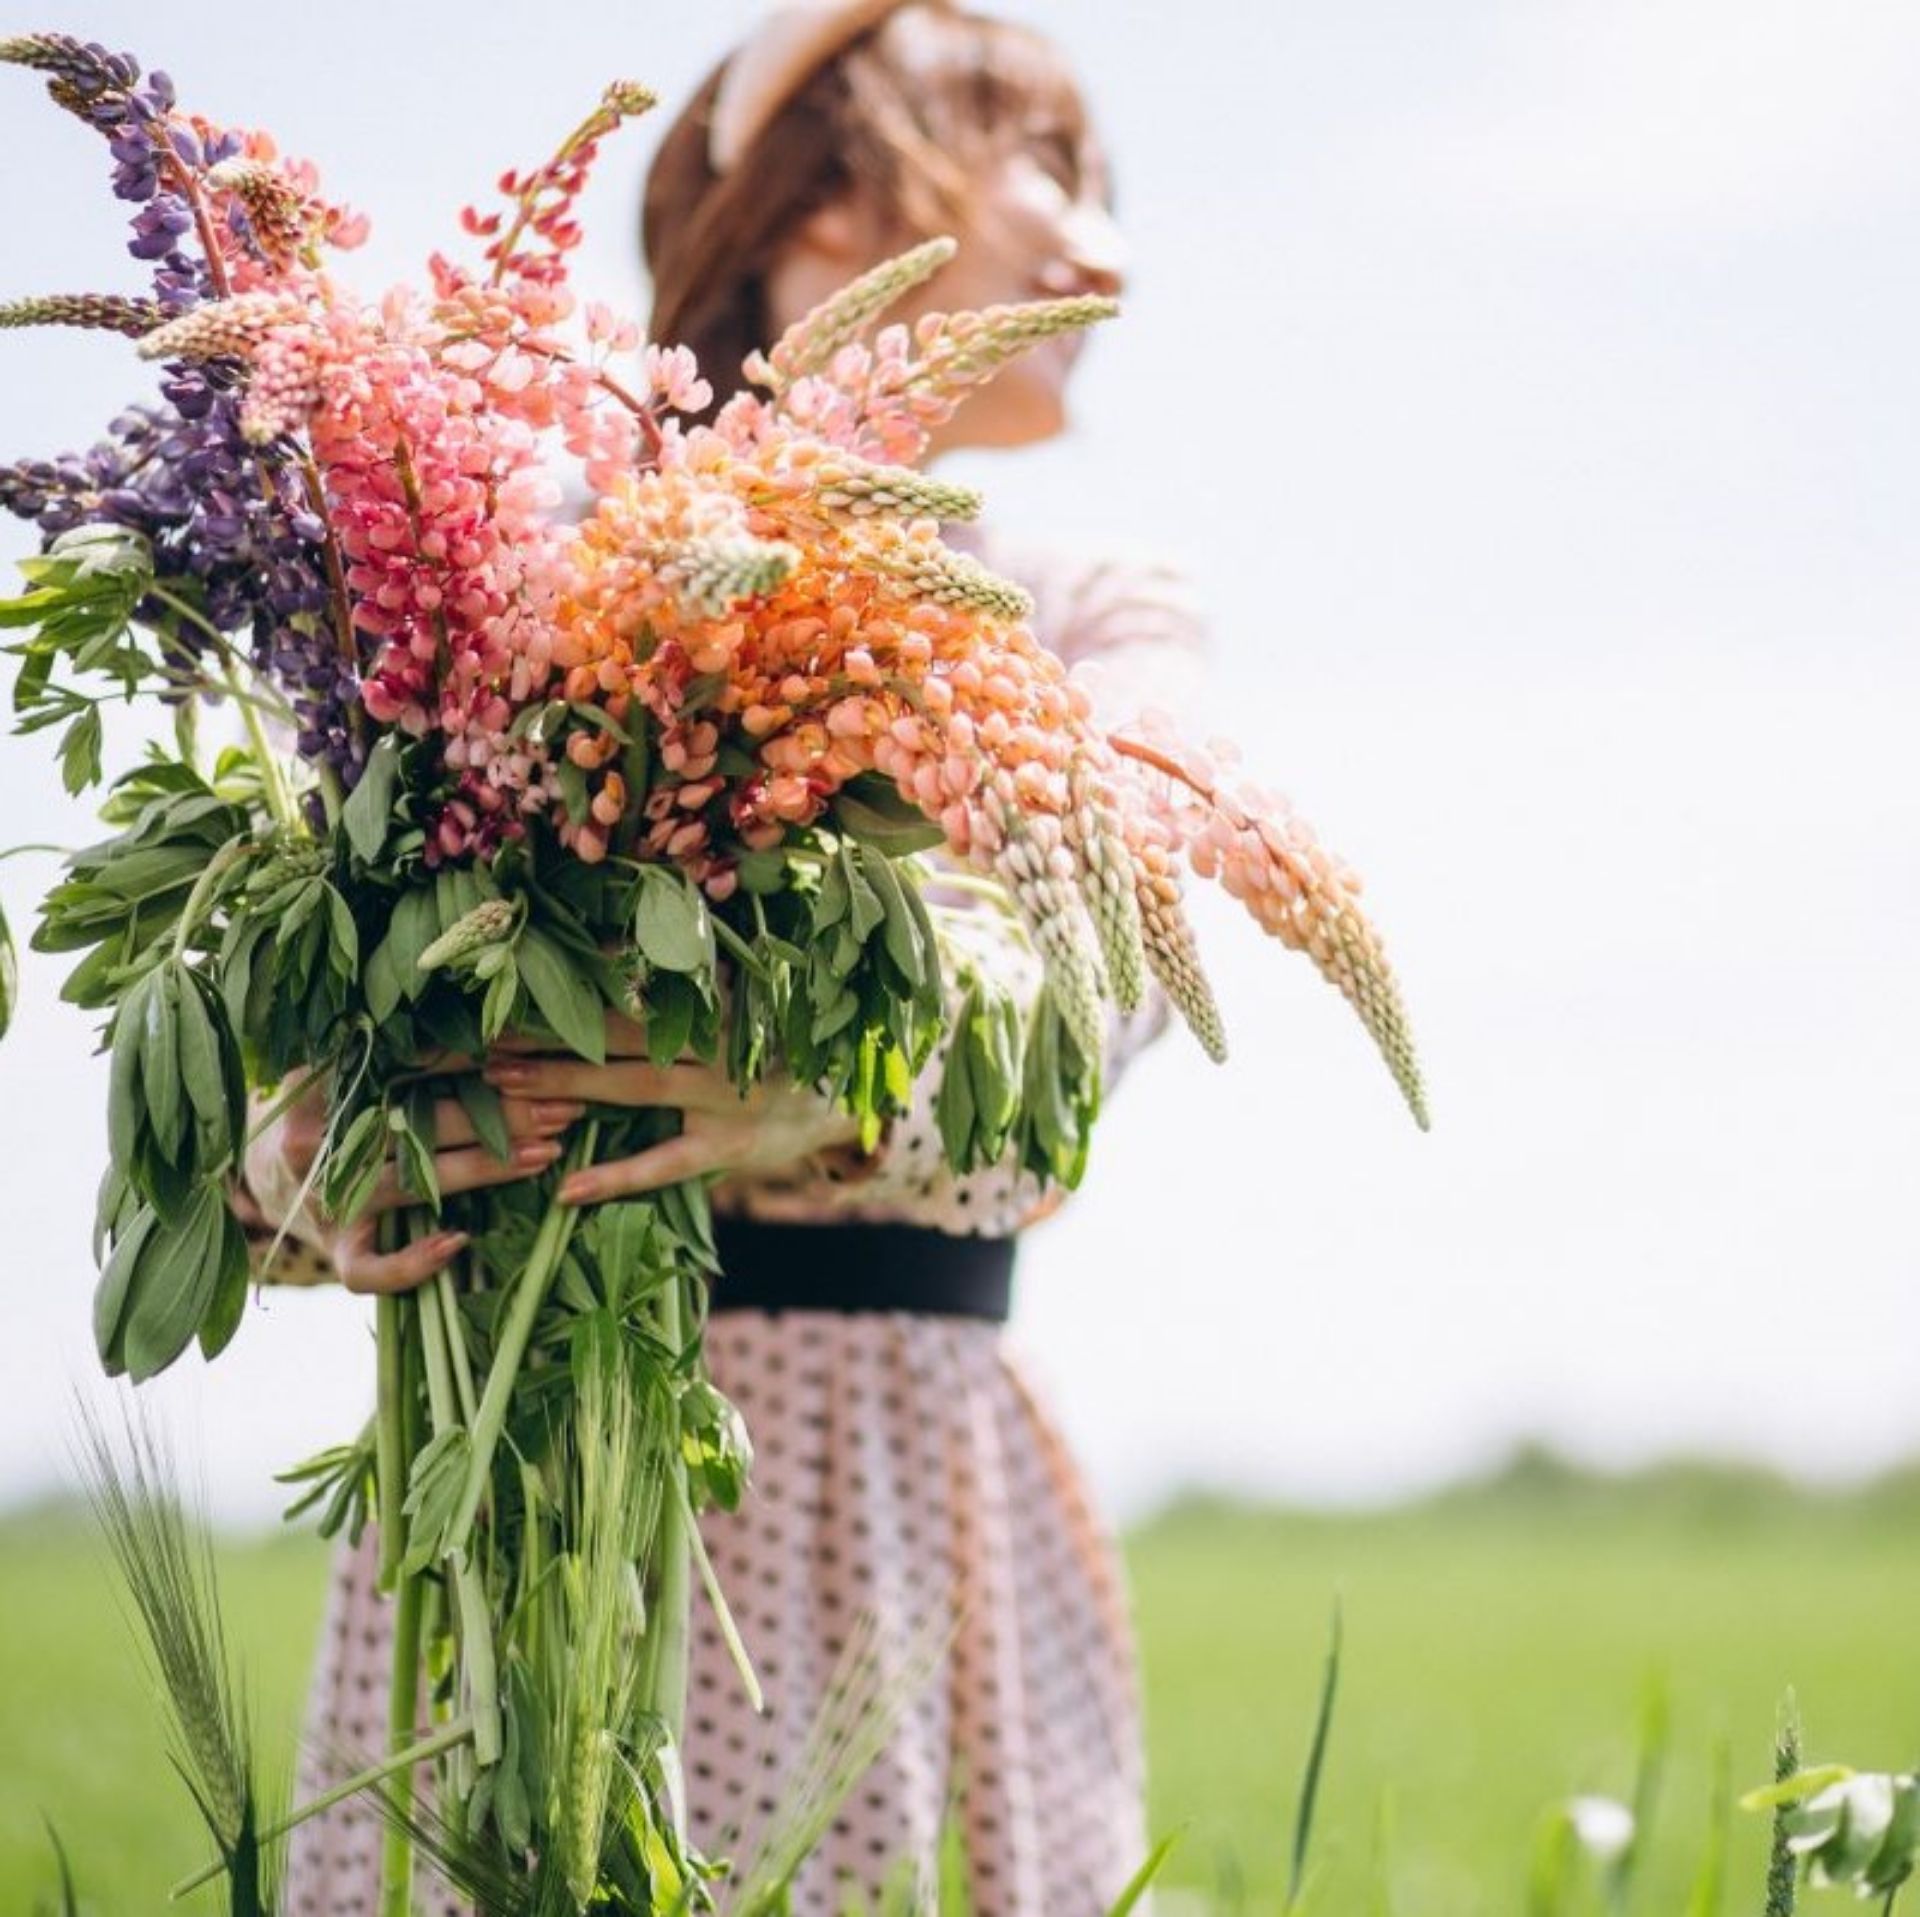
pixel 262 1197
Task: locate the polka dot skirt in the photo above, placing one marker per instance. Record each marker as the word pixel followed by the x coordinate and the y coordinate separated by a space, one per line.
pixel 903 1465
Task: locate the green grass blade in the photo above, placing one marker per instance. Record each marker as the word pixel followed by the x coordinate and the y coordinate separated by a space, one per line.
pixel 1138 1883
pixel 1656 1724
pixel 1316 1764
pixel 69 1905
pixel 1709 1895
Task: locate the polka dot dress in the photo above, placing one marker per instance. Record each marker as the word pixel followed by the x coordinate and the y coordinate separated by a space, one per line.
pixel 905 1466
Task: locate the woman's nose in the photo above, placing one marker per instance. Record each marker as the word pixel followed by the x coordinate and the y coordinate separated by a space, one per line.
pixel 1092 256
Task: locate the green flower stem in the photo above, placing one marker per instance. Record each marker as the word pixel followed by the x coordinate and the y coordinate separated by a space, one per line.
pixel 203 889
pixel 279 800
pixel 722 1610
pixel 400 1416
pixel 403 1708
pixel 456 1343
pixel 449 1736
pixel 669 1622
pixel 389 1447
pixel 230 656
pixel 477 1659
pixel 516 1329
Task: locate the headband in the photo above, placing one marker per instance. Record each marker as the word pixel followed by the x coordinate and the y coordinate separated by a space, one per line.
pixel 789 46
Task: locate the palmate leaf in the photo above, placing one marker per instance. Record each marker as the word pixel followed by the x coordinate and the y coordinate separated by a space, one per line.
pixel 78 610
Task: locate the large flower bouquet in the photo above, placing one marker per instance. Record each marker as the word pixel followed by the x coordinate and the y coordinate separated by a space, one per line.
pixel 667 769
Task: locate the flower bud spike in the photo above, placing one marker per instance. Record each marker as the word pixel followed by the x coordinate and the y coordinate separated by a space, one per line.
pixel 812 341
pixel 96 312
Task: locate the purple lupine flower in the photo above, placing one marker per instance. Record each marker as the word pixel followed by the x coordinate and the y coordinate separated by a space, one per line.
pixel 229 520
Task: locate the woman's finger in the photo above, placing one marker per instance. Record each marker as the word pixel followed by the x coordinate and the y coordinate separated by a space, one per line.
pixel 364 1270
pixel 524 1118
pixel 691 1155
pixel 468 1168
pixel 626 1081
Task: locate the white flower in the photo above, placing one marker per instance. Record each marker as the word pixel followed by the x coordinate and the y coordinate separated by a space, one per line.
pixel 1603 1825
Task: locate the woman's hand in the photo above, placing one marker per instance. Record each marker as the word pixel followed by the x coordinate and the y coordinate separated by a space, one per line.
pixel 279 1160
pixel 771 1128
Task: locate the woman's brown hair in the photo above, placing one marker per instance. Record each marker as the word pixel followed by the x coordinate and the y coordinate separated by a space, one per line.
pixel 904 114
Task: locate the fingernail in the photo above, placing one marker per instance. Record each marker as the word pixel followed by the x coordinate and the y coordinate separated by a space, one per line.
pixel 576 1190
pixel 506 1072
pixel 449 1241
pixel 536 1151
pixel 558 1111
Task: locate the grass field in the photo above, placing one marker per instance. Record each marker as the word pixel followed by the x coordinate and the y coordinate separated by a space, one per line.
pixel 1498 1641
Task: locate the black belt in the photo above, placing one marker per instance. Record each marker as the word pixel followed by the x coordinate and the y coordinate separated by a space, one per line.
pixel 858 1267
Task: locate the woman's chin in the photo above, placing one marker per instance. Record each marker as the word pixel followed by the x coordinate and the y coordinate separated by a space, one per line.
pixel 1038 416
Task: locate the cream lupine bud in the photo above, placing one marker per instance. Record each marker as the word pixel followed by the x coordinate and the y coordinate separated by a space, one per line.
pixel 1095 834
pixel 1173 954
pixel 97 312
pixel 1049 906
pixel 810 343
pixel 222 329
pixel 962 349
pixel 487 924
pixel 718 570
pixel 932 571
pixel 862 489
pixel 1029 854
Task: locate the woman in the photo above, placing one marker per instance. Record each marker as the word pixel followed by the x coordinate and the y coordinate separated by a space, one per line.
pixel 903 1463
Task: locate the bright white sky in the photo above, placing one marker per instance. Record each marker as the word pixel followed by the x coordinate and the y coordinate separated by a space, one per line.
pixel 1531 391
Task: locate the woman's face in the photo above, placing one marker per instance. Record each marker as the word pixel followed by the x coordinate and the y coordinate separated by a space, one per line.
pixel 1042 229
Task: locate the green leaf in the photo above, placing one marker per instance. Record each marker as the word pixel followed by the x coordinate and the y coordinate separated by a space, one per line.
pixel 434 1484
pixel 383 984
pixel 414 926
pixel 566 999
pixel 901 930
pixel 229 1303
pixel 487 1113
pixel 670 923
pixel 866 910
pixel 160 1060
pixel 672 1006
pixel 80 752
pixel 343 952
pixel 204 1047
pixel 177 1281
pixel 869 808
pixel 953 1105
pixel 125 1107
pixel 116 1280
pixel 573 790
pixel 497 1008
pixel 369 808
